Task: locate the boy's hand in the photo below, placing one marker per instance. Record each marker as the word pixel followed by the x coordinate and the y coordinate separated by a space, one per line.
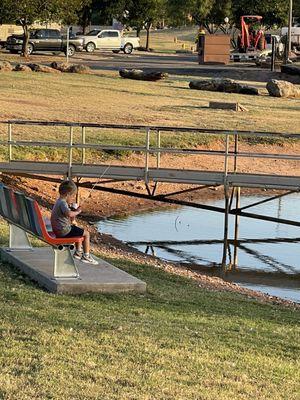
pixel 78 210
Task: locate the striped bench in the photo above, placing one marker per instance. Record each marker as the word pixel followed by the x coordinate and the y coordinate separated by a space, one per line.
pixel 24 217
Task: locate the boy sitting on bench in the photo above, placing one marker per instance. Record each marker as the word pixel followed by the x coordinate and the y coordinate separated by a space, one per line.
pixel 62 217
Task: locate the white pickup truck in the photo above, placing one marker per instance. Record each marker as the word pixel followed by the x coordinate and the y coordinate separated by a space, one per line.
pixel 108 39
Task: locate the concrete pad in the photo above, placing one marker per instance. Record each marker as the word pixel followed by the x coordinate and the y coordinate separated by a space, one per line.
pixel 38 265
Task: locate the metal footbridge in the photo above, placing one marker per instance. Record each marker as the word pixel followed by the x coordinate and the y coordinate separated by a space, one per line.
pixel 89 150
pixel 78 166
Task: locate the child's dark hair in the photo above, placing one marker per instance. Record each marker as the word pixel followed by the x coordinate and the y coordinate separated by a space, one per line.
pixel 67 187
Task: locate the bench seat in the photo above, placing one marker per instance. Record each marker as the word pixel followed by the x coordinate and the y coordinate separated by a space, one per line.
pixel 49 237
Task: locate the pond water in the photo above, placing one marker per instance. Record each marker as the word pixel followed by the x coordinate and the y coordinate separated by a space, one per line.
pixel 268 257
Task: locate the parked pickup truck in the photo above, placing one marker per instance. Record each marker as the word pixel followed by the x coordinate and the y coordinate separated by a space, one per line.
pixel 45 40
pixel 109 40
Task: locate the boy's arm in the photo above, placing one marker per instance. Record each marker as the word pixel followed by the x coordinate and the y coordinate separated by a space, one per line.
pixel 67 212
pixel 73 214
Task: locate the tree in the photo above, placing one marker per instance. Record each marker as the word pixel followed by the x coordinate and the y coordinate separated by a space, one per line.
pixel 274 12
pixel 183 11
pixel 220 9
pixel 26 12
pixel 141 14
pixel 207 13
pixel 297 10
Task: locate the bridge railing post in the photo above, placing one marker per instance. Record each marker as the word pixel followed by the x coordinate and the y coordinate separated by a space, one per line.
pixel 9 140
pixel 147 148
pixel 83 143
pixel 71 134
pixel 158 146
pixel 226 154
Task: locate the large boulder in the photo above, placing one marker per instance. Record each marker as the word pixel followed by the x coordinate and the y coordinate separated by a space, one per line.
pixel 223 85
pixel 290 69
pixel 22 68
pixel 79 69
pixel 72 68
pixel 141 75
pixel 33 67
pixel 282 89
pixel 42 68
pixel 5 66
pixel 60 66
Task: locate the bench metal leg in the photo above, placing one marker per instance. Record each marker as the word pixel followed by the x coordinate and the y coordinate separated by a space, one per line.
pixel 18 239
pixel 64 265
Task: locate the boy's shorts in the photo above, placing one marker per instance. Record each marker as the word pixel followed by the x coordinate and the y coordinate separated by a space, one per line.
pixel 74 232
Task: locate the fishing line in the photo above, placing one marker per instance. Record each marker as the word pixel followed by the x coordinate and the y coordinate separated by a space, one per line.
pixel 94 185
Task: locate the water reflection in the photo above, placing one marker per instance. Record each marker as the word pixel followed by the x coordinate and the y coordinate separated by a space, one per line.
pixel 268 253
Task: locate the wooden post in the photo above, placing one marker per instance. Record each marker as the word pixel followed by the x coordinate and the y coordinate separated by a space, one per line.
pixel 273 57
pixel 289 34
pixel 226 227
pixel 236 227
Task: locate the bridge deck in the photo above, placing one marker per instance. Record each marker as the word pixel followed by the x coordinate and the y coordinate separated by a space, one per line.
pixel 154 174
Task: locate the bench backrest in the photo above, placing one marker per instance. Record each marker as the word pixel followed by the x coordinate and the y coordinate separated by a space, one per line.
pixel 25 213
pixel 20 210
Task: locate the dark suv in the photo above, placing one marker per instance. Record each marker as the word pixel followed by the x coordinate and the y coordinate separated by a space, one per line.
pixel 45 40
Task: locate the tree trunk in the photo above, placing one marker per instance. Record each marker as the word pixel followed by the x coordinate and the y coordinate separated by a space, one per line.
pixel 25 41
pixel 83 27
pixel 148 27
pixel 85 19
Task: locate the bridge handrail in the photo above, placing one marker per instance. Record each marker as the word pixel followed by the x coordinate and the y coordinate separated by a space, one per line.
pixel 174 129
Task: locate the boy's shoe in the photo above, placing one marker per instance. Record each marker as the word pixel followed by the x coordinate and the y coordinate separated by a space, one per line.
pixel 89 260
pixel 77 255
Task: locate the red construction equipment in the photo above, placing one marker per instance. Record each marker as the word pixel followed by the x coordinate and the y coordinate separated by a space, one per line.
pixel 252 36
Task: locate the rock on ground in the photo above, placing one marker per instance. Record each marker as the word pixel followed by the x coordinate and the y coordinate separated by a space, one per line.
pixel 141 75
pixel 5 66
pixel 223 85
pixel 282 89
pixel 72 68
pixel 79 69
pixel 63 67
pixel 42 68
pixel 22 68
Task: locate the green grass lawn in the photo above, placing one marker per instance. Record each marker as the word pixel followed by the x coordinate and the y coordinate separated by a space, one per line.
pixel 170 40
pixel 176 342
pixel 106 98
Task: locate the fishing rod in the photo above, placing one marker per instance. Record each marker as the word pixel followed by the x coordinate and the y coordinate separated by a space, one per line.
pixel 74 206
